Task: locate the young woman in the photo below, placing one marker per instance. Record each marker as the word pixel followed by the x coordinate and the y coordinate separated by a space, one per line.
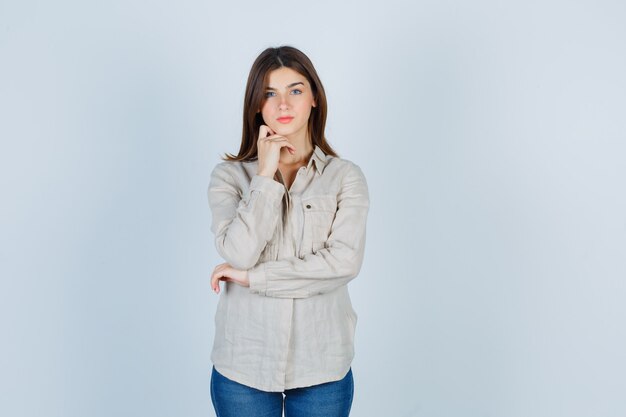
pixel 289 219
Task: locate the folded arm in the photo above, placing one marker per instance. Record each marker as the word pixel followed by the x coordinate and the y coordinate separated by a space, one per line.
pixel 330 267
pixel 243 225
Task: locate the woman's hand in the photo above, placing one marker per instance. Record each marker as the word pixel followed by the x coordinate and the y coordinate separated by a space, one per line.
pixel 225 272
pixel 269 147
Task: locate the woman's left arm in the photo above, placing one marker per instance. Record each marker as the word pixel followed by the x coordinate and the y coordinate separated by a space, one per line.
pixel 328 268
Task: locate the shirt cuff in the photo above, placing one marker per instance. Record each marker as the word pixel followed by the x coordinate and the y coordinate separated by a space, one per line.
pixel 257 279
pixel 263 183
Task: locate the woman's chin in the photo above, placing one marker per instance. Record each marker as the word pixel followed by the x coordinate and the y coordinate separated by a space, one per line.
pixel 282 131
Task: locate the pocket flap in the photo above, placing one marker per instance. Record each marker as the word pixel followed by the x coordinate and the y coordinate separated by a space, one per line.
pixel 320 203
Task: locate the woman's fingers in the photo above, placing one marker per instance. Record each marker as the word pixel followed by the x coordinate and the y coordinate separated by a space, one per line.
pixel 222 272
pixel 218 273
pixel 268 151
pixel 225 272
pixel 280 141
pixel 268 136
pixel 265 131
pixel 215 282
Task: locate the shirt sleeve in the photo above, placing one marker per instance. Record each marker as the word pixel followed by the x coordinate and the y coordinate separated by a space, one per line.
pixel 336 264
pixel 243 225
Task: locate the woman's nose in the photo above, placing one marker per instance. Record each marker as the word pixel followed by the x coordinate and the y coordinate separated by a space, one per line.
pixel 284 104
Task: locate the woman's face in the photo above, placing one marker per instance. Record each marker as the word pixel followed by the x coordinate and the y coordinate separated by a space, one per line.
pixel 288 102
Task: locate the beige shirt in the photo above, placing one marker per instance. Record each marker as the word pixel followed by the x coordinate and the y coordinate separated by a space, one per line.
pixel 294 326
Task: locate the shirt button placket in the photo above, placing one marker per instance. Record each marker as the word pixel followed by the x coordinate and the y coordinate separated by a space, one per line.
pixel 287 325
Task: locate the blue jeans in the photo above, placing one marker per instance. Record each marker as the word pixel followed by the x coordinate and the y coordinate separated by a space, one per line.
pixel 232 399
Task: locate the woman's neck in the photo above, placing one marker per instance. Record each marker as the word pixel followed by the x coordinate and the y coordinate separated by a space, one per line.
pixel 304 150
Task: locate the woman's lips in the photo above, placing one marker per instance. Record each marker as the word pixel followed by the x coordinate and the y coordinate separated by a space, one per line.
pixel 285 119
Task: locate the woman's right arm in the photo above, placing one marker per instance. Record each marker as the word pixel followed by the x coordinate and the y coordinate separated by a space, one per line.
pixel 243 225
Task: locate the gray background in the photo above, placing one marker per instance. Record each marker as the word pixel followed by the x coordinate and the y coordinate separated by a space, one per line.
pixel 492 135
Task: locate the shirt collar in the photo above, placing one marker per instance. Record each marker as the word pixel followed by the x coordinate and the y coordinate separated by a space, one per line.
pixel 319 157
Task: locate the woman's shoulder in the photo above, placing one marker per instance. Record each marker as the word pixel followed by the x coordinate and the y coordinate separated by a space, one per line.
pixel 347 177
pixel 237 174
pixel 235 166
pixel 342 166
pixel 227 164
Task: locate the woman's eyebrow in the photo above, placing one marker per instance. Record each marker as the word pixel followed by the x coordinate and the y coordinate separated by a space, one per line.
pixel 289 86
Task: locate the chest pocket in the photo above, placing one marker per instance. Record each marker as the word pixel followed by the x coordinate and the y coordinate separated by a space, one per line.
pixel 319 213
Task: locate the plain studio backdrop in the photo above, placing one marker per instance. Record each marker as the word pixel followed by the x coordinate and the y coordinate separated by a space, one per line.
pixel 493 138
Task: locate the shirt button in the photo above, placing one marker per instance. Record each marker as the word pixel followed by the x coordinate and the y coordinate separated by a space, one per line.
pixel 308 206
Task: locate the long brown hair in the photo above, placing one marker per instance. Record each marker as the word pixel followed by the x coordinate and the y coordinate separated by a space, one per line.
pixel 270 60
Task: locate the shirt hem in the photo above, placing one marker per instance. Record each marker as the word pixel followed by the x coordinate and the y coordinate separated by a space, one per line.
pixel 302 383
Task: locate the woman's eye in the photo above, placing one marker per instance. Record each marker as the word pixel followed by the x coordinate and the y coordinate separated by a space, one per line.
pixel 296 91
pixel 269 94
